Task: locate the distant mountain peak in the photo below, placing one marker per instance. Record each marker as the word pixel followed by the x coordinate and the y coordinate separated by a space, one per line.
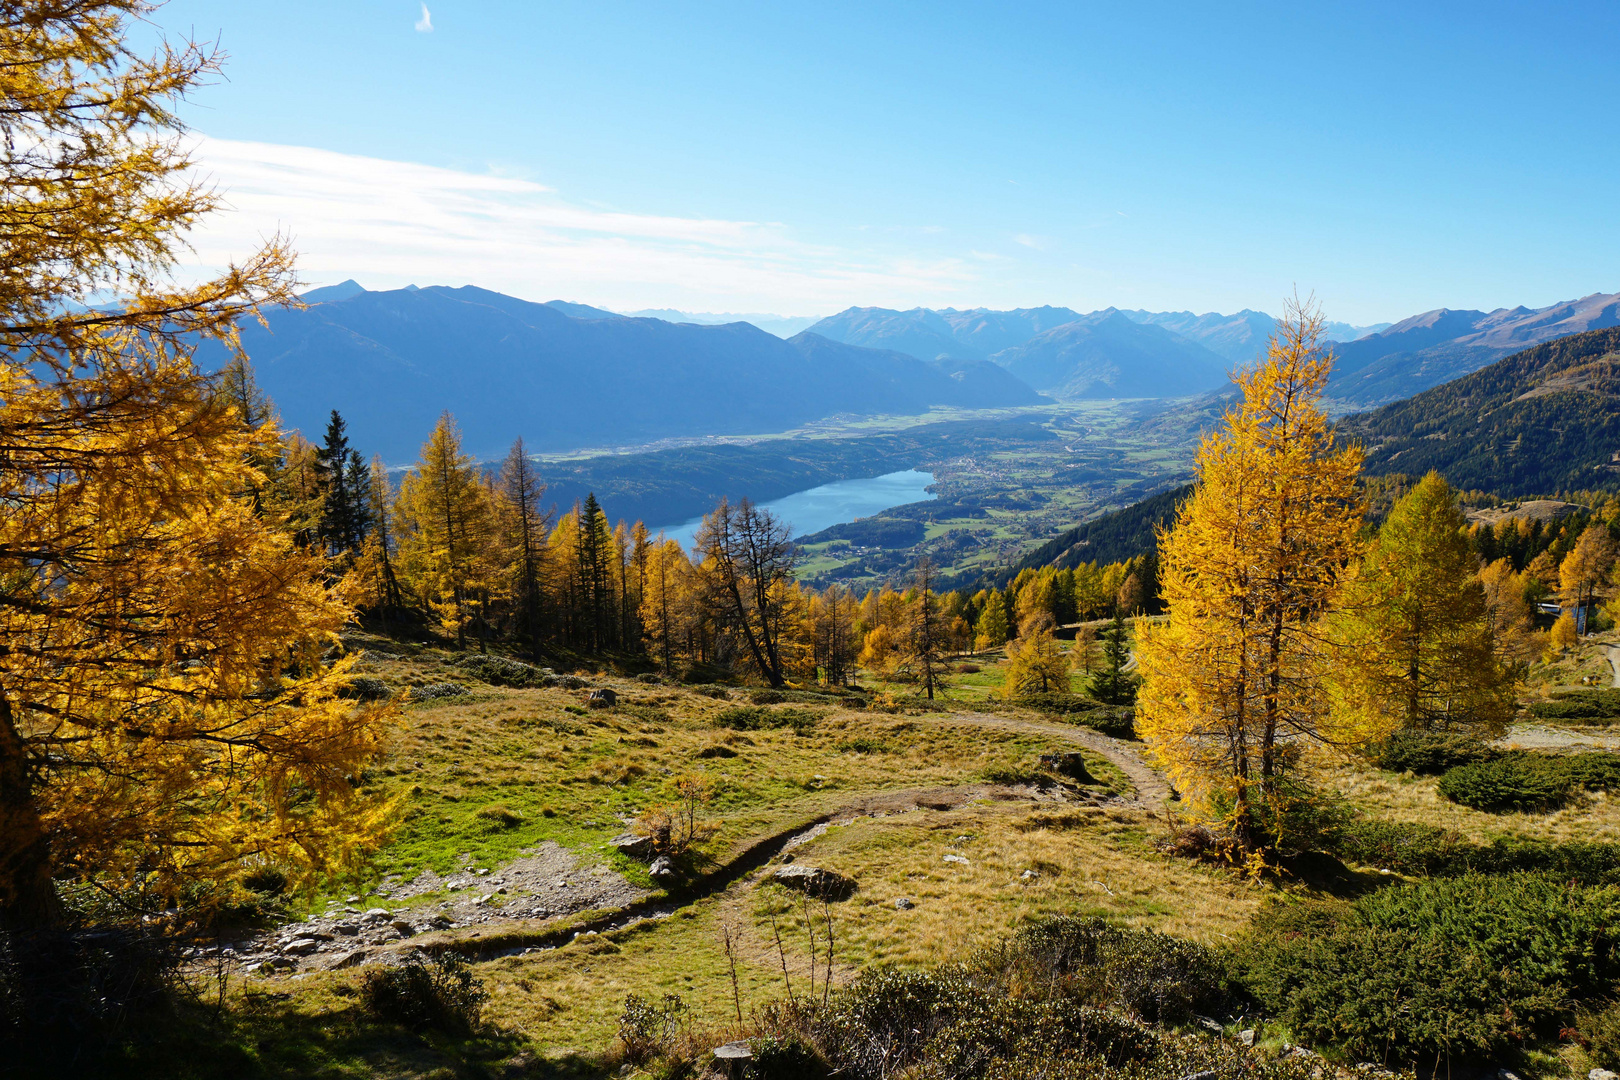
pixel 330 294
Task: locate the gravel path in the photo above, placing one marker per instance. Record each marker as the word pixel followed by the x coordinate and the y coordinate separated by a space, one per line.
pixel 1152 789
pixel 1546 737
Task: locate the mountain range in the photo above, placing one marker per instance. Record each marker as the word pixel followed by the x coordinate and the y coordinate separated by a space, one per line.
pixel 1542 421
pixel 1438 346
pixel 1060 352
pixel 392 361
pixel 567 375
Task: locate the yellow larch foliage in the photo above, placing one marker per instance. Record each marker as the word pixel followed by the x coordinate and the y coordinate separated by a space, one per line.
pixel 444 520
pixel 1232 686
pixel 1035 665
pixel 166 715
pixel 1415 640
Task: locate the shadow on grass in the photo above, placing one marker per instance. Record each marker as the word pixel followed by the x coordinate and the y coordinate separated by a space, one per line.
pixel 1325 874
pixel 265 1036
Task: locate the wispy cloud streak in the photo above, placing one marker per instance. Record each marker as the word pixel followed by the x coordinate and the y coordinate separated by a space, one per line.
pixel 390 223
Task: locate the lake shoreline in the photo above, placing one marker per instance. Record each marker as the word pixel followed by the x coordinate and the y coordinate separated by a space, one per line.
pixel 836 503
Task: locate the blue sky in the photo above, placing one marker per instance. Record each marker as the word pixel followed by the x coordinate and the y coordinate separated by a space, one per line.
pixel 800 158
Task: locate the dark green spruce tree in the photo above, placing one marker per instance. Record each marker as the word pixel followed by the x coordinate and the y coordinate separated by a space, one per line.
pixel 357 483
pixel 1112 684
pixel 338 469
pixel 596 578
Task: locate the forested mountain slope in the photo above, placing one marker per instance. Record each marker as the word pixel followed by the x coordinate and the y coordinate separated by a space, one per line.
pixel 1544 420
pixel 1438 346
pixel 392 361
pixel 1113 537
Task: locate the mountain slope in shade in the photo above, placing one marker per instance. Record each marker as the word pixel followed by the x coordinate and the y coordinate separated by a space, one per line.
pixel 987 332
pixel 392 361
pixel 581 311
pixel 1438 346
pixel 1543 420
pixel 1106 355
pixel 1238 338
pixel 927 333
pixel 783 326
pixel 920 332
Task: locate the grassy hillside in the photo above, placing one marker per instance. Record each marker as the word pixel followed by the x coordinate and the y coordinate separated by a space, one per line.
pixel 943 816
pixel 1541 421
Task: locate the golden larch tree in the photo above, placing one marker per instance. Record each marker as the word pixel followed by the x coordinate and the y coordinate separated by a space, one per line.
pixel 1416 647
pixel 1585 570
pixel 166 717
pixel 443 517
pixel 1232 681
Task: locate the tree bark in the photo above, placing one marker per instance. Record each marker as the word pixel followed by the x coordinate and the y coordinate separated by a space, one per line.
pixel 28 899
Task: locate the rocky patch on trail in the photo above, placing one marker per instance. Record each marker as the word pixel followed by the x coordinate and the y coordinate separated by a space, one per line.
pixel 546 883
pixel 815 881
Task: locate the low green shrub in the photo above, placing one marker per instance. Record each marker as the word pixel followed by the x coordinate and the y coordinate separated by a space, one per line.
pixel 502 670
pixel 1458 968
pixel 436 993
pixel 1599 1029
pixel 1160 978
pixel 1021 773
pixel 1596 704
pixel 1404 847
pixel 1114 722
pixel 864 745
pixel 1424 850
pixel 760 718
pixel 267 880
pixel 1060 704
pixel 1430 753
pixel 648 1027
pixel 1507 784
pixel 788 1056
pixel 1520 780
pixel 437 692
pixel 1065 999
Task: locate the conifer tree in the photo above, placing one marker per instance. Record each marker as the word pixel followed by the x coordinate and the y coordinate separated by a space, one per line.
pixel 1586 568
pixel 834 634
pixel 527 526
pixel 1232 688
pixel 341 527
pixel 376 561
pixel 1512 626
pixel 992 627
pixel 663 600
pixel 748 557
pixel 363 515
pixel 1035 664
pixel 165 714
pixel 926 633
pixel 1112 685
pixel 1415 641
pixel 444 514
pixel 595 549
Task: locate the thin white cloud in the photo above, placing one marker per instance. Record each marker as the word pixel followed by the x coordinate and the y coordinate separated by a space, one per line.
pixel 390 223
pixel 424 25
pixel 1026 240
